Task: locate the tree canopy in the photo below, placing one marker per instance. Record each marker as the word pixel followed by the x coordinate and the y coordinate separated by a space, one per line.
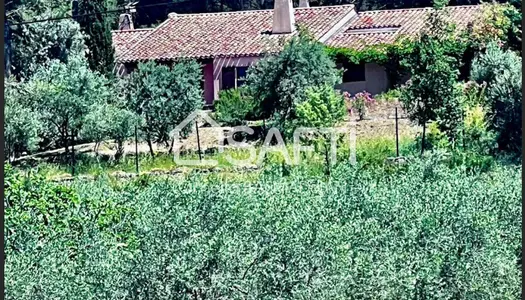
pixel 278 82
pixel 164 96
pixel 97 31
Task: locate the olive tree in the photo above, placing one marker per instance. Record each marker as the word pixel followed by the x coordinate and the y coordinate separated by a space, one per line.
pixel 501 71
pixel 164 96
pixel 64 93
pixel 278 82
pixel 107 121
pixel 22 125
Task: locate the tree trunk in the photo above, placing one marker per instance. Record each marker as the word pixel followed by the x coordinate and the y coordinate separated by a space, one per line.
pixel 150 145
pixel 65 139
pixel 72 154
pixel 327 158
pixel 120 150
pixel 170 151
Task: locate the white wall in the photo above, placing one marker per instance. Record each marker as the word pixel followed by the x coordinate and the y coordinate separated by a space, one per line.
pixel 376 81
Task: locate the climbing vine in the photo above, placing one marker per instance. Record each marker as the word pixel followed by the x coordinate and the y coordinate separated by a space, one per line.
pixel 495 23
pixel 388 55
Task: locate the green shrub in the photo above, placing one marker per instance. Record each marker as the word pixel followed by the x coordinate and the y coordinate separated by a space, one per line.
pixel 323 107
pixel 436 139
pixel 56 234
pixel 278 82
pixel 473 94
pixel 477 136
pixel 427 230
pixel 22 126
pixel 164 96
pixel 501 71
pixel 389 96
pixel 234 107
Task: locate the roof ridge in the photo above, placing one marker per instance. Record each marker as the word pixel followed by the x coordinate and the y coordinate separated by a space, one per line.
pixel 417 8
pixel 132 30
pixel 341 24
pixel 240 12
pixel 145 36
pixel 176 15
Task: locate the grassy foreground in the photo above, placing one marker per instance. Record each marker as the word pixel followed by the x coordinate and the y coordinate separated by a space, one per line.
pixel 422 231
pixel 372 151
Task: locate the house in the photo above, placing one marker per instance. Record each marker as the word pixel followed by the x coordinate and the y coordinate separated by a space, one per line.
pixel 227 43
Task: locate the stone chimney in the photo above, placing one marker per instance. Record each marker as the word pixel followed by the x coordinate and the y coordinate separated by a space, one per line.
pixel 125 22
pixel 304 3
pixel 283 17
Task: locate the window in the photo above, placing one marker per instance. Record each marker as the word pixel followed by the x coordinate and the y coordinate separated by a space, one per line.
pixel 228 78
pixel 241 75
pixel 233 77
pixel 353 72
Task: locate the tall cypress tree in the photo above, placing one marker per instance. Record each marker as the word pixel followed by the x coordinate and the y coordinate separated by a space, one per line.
pixel 97 29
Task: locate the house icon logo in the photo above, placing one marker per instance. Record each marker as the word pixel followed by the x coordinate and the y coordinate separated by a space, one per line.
pixel 193 118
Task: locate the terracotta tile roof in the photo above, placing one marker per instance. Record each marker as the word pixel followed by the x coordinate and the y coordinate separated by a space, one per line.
pixel 209 35
pixel 385 26
pixel 123 39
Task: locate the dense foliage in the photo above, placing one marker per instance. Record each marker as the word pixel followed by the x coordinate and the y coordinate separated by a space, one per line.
pixel 323 108
pixel 425 231
pixel 36 45
pixel 278 82
pixel 234 107
pixel 97 30
pixel 22 126
pixel 431 94
pixel 64 94
pixel 164 96
pixel 501 72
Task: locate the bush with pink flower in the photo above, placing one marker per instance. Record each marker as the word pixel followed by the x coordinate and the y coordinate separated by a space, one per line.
pixel 359 103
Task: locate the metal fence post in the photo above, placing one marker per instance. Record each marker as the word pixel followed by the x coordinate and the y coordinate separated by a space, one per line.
pixel 198 140
pixel 136 150
pixel 397 136
pixel 72 154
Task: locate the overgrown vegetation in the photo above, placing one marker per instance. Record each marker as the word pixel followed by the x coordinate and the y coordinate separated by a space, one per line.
pixel 235 107
pixel 501 72
pixel 445 224
pixel 423 229
pixel 278 82
pixel 163 96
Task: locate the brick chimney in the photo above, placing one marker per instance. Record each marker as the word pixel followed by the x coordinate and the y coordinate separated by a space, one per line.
pixel 304 3
pixel 283 17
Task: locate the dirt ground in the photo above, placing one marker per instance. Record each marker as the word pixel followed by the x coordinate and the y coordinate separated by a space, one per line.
pixel 380 122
